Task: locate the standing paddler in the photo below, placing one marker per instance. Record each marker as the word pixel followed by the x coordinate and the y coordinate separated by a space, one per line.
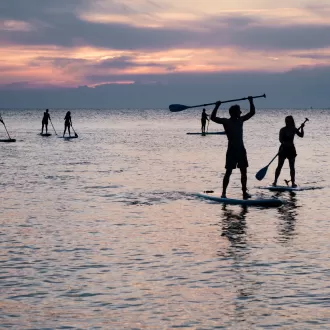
pixel 236 154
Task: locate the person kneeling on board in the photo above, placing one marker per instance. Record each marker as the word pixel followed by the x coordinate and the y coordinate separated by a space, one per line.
pixel 287 148
pixel 236 154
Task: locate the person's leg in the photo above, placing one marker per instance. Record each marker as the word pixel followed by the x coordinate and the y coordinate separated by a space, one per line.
pixel 243 170
pixel 46 125
pixel 225 182
pixel 42 128
pixel 278 169
pixel 243 178
pixel 292 171
pixel 69 130
pixel 64 130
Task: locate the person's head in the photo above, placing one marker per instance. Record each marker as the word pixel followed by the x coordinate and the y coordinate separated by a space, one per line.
pixel 235 111
pixel 47 110
pixel 204 110
pixel 68 113
pixel 289 121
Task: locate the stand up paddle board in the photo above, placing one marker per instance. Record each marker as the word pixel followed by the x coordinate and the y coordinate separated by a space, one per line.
pixel 45 134
pixel 206 133
pixel 288 188
pixel 216 196
pixel 8 140
pixel 68 137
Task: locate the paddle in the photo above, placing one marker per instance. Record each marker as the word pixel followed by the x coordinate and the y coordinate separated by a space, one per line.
pixel 53 126
pixel 180 107
pixel 208 125
pixel 1 120
pixel 261 173
pixel 75 134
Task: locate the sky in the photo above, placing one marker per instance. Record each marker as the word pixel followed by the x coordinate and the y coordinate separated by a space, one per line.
pixel 148 53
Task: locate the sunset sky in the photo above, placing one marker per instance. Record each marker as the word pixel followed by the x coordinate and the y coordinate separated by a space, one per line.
pixel 70 43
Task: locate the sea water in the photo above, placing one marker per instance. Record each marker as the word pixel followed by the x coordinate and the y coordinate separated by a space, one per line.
pixel 105 232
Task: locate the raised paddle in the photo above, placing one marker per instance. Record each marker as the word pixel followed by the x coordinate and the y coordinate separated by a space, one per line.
pixel 261 173
pixel 180 107
pixel 53 126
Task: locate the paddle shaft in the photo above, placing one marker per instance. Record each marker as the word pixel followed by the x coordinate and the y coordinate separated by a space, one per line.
pixel 205 105
pixel 228 101
pixel 74 131
pixel 5 127
pixel 52 126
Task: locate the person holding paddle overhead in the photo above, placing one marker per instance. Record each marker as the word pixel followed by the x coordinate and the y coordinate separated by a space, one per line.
pixel 287 148
pixel 204 118
pixel 236 153
pixel 67 123
pixel 45 119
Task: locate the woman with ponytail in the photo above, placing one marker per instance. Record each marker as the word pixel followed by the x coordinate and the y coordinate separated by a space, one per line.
pixel 287 149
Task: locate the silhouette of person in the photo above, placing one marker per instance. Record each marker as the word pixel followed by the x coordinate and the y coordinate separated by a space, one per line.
pixel 236 154
pixel 287 148
pixel 67 123
pixel 204 118
pixel 45 119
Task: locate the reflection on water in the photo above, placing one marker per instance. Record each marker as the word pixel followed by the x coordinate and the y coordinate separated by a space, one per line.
pixel 105 232
pixel 288 215
pixel 234 227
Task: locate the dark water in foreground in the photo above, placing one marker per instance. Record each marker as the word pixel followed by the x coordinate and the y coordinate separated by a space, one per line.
pixel 104 232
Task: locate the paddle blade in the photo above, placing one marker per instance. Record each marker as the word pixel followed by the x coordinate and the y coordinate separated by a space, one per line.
pixel 261 174
pixel 177 107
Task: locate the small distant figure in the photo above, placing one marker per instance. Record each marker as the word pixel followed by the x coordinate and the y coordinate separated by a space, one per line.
pixel 67 123
pixel 204 118
pixel 287 148
pixel 45 119
pixel 236 154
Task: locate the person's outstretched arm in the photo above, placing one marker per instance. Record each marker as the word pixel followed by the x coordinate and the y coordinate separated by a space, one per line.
pixel 214 114
pixel 252 110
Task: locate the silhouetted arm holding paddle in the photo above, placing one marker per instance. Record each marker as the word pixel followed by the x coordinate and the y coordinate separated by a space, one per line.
pixel 300 131
pixel 252 110
pixel 214 114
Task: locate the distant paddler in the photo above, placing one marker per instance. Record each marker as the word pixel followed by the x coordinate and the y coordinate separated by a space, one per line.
pixel 67 123
pixel 287 148
pixel 204 118
pixel 45 119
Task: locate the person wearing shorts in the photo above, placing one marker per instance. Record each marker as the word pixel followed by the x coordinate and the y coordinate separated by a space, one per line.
pixel 236 156
pixel 287 148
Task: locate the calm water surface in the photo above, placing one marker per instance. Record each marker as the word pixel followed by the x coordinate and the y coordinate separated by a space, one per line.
pixel 104 231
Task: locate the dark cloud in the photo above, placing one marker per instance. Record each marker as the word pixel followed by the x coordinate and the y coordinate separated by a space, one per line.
pixel 127 62
pixel 58 23
pixel 105 66
pixel 39 9
pixel 314 56
pixel 303 87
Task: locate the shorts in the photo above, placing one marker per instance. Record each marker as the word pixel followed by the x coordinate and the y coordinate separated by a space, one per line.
pixel 236 158
pixel 287 152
